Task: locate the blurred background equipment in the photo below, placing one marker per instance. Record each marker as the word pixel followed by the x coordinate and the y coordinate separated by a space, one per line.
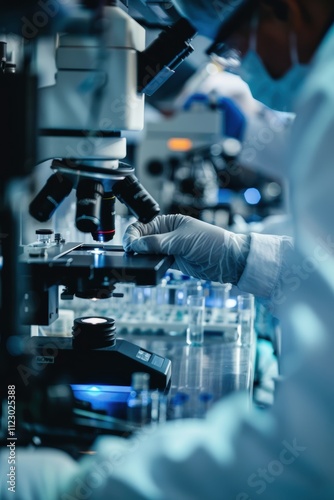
pixel 189 162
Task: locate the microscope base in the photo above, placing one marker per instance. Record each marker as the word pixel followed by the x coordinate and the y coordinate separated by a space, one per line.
pixel 60 363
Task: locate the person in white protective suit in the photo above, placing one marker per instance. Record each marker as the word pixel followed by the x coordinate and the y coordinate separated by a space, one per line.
pixel 286 453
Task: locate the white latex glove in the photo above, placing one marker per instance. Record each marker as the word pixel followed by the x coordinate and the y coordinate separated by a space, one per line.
pixel 200 249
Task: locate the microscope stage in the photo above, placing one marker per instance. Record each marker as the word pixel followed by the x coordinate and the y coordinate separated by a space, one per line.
pixel 97 259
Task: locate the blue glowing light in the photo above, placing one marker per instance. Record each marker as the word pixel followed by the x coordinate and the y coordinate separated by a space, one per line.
pixel 252 196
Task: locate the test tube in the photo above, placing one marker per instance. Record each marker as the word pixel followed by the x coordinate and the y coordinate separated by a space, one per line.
pixel 194 287
pixel 217 299
pixel 178 405
pixel 246 319
pixel 158 407
pixel 196 310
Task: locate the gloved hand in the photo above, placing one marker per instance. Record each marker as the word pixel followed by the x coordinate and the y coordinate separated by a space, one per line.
pixel 200 249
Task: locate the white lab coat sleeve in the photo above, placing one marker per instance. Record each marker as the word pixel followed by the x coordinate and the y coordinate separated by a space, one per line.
pixel 267 269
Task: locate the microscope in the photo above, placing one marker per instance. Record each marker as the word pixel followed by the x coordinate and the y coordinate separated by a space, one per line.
pixel 104 71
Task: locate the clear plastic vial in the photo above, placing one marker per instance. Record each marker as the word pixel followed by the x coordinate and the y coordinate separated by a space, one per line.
pixel 139 403
pixel 196 312
pixel 44 236
pixel 40 246
pixel 179 405
pixel 246 311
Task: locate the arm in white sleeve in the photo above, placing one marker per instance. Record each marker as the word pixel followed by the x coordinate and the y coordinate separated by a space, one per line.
pixel 255 263
pixel 268 268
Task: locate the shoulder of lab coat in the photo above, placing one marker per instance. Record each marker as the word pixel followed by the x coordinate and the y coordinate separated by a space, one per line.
pixel 312 176
pixel 182 459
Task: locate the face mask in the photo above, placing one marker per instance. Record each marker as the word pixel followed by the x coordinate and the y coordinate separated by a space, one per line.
pixel 277 94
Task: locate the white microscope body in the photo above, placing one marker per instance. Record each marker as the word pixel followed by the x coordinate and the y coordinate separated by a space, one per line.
pixel 95 95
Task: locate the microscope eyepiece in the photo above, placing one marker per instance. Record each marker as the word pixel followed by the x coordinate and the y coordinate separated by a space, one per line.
pixel 139 201
pixel 159 60
pixel 50 197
